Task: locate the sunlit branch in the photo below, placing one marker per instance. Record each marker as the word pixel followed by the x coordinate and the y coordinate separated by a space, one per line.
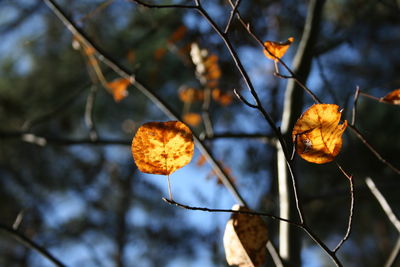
pixel 263 214
pixel 21 238
pixel 354 110
pixel 232 15
pixel 383 202
pixel 394 254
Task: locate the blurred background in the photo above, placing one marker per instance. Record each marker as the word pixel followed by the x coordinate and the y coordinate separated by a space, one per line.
pixel 73 187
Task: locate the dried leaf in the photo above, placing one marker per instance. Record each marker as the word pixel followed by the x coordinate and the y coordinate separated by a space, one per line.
pixel 162 147
pixel 392 98
pixel 317 134
pixel 276 50
pixel 193 119
pixel 245 238
pixel 118 88
pixel 160 53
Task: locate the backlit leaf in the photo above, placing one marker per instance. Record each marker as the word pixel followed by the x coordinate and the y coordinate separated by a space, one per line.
pixel 162 147
pixel 193 119
pixel 392 98
pixel 118 88
pixel 245 239
pixel 277 49
pixel 317 133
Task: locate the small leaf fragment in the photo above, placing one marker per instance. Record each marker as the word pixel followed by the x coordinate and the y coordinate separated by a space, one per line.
pixel 118 88
pixel 193 119
pixel 245 238
pixel 317 134
pixel 276 50
pixel 162 147
pixel 392 98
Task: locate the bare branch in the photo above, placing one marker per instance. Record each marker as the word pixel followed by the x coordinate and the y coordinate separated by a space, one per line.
pixel 351 210
pixel 394 254
pixel 24 240
pixel 233 12
pixel 373 150
pixel 383 202
pixel 161 6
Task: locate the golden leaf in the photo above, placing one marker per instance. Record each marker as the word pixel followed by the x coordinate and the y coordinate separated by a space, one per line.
pixel 193 119
pixel 118 88
pixel 317 134
pixel 276 50
pixel 245 238
pixel 162 147
pixel 392 98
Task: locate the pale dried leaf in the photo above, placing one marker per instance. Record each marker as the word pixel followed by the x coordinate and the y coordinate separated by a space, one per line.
pixel 245 239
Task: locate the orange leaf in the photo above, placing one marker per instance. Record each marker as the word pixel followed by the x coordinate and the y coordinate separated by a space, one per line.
pixel 193 119
pixel 276 50
pixel 188 95
pixel 178 34
pixel 224 99
pixel 162 147
pixel 317 134
pixel 392 98
pixel 245 238
pixel 201 160
pixel 118 88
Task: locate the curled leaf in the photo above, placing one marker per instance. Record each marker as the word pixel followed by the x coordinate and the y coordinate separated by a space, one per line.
pixel 162 147
pixel 317 134
pixel 392 98
pixel 118 88
pixel 245 238
pixel 276 50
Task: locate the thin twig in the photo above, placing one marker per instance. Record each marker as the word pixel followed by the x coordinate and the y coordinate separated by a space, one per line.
pixel 31 244
pixel 161 6
pixel 373 150
pixel 393 255
pixel 263 214
pixel 383 202
pixel 241 98
pixel 233 12
pixel 351 210
pixel 353 117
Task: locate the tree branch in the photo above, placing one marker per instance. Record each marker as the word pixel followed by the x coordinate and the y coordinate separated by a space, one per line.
pixel 24 240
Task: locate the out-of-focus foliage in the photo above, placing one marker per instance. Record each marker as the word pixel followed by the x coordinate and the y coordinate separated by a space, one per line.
pixel 89 204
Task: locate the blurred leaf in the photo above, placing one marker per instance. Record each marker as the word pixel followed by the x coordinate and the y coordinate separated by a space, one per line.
pixel 193 119
pixel 118 88
pixel 392 98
